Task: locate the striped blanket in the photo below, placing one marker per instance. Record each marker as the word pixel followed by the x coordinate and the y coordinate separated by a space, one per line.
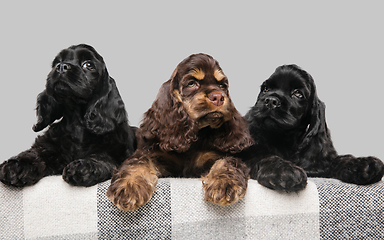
pixel 326 209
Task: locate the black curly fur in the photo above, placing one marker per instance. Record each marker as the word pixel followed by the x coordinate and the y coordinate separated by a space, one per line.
pixel 292 140
pixel 88 135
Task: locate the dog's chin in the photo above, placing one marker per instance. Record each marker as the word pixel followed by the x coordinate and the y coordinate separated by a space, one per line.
pixel 213 120
pixel 277 125
pixel 59 91
pixel 61 88
pixel 63 92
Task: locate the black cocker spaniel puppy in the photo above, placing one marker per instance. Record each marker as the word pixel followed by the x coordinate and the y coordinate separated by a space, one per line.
pixel 292 140
pixel 88 135
pixel 192 130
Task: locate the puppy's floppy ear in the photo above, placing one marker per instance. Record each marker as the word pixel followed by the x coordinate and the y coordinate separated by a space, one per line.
pixel 167 122
pixel 107 109
pixel 233 136
pixel 317 128
pixel 47 111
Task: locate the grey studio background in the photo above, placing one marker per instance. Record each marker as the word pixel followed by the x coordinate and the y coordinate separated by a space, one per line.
pixel 340 43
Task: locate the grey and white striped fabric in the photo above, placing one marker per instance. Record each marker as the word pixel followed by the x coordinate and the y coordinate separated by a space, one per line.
pixel 349 211
pixel 326 209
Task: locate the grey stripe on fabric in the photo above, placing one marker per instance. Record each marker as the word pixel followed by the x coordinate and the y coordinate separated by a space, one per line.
pixel 349 211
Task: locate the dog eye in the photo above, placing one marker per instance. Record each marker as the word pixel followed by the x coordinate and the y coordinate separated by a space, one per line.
pixel 298 94
pixel 88 65
pixel 265 89
pixel 192 84
pixel 223 86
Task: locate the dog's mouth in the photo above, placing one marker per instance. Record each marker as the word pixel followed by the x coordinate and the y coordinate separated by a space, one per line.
pixel 58 89
pixel 273 122
pixel 213 119
pixel 63 91
pixel 61 87
pixel 273 118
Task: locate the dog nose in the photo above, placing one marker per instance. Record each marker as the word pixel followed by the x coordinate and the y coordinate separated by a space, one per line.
pixel 272 102
pixel 62 67
pixel 216 98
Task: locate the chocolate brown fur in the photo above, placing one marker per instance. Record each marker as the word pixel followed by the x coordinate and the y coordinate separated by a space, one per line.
pixel 191 130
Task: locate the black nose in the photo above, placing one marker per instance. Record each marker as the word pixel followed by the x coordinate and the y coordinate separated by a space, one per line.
pixel 62 67
pixel 272 102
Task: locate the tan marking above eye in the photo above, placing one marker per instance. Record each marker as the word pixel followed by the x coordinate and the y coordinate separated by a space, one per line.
pixel 219 75
pixel 198 74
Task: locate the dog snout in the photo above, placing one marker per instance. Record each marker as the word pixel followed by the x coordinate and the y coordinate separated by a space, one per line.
pixel 272 102
pixel 62 67
pixel 216 98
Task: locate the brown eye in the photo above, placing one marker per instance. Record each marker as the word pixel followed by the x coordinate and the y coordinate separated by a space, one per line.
pixel 88 65
pixel 298 94
pixel 191 84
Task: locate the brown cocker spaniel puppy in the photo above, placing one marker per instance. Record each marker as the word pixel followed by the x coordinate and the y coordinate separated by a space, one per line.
pixel 292 140
pixel 191 130
pixel 87 134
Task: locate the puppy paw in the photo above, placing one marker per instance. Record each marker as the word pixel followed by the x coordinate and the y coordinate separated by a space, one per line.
pixel 278 174
pixel 225 183
pixel 362 170
pixel 132 188
pixel 22 170
pixel 87 172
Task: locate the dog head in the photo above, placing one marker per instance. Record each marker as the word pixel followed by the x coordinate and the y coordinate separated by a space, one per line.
pixel 79 82
pixel 284 99
pixel 288 102
pixel 196 97
pixel 76 73
pixel 201 87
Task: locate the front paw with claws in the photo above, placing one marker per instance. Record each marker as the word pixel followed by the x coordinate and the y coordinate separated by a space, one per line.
pixel 278 174
pixel 132 188
pixel 226 183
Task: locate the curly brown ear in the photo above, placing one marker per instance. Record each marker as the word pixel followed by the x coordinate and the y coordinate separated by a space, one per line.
pixel 167 124
pixel 107 110
pixel 233 136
